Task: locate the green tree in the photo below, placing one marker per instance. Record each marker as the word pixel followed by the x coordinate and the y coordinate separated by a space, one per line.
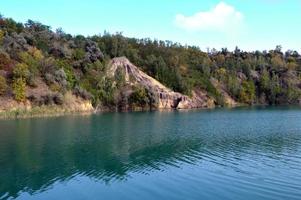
pixel 78 54
pixel 19 87
pixel 248 92
pixel 31 61
pixel 5 61
pixel 277 63
pixel 233 86
pixel 120 77
pixel 293 94
pixel 291 63
pixel 21 71
pixel 139 97
pixel 275 89
pixel 264 81
pixel 1 36
pixel 3 85
pixel 68 69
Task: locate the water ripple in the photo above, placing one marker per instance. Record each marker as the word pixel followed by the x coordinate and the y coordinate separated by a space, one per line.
pixel 220 154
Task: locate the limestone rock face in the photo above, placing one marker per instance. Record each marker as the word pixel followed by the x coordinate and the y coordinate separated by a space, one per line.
pixel 165 97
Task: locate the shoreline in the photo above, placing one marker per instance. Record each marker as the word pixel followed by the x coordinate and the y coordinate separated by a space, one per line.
pixel 41 112
pixel 57 111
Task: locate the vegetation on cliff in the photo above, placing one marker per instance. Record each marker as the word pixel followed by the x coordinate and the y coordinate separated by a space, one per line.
pixel 32 54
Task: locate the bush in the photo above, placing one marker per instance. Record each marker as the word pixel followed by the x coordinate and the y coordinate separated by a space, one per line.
pixel 51 99
pixel 48 66
pixel 36 53
pixel 233 86
pixel 57 81
pixel 78 54
pixel 80 92
pixel 70 76
pixel 200 81
pixel 19 87
pixel 248 92
pixel 55 87
pixel 120 77
pixel 1 36
pixel 5 61
pixel 47 100
pixel 274 89
pixel 3 85
pixel 49 78
pixel 139 97
pixel 61 77
pixel 104 91
pixel 21 71
pixel 58 99
pixel 292 94
pixel 32 59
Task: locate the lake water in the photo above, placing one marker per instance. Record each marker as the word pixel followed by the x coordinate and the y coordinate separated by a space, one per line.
pixel 243 153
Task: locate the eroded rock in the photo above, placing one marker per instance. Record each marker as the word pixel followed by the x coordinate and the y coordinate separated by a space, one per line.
pixel 165 97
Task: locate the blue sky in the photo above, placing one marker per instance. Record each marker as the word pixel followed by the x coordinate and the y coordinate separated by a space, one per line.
pixel 249 24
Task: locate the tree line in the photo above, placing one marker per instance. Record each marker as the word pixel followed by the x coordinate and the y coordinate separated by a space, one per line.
pixel 65 62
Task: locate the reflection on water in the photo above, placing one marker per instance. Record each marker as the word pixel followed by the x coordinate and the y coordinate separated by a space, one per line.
pixel 213 154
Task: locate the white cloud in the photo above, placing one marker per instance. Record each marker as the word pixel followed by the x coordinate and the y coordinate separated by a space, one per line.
pixel 222 17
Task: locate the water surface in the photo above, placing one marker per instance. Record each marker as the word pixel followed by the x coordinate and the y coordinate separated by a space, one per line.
pixel 245 153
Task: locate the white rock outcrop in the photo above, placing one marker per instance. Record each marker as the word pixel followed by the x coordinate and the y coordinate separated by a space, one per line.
pixel 166 98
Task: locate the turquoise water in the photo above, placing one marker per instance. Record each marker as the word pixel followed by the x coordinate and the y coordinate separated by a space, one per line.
pixel 245 153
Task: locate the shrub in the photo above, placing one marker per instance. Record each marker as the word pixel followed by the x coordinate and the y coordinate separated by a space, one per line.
pixel 264 81
pixel 60 77
pixel 32 59
pixel 3 85
pixel 47 99
pixel 120 77
pixel 78 54
pixel 277 63
pixel 19 87
pixel 58 99
pixel 233 86
pixel 139 97
pixel 57 81
pixel 1 36
pixel 248 92
pixel 68 70
pixel 21 71
pixel 292 94
pixel 31 80
pixel 55 87
pixel 36 53
pixel 48 65
pixel 5 62
pixel 49 78
pixel 71 79
pixel 80 92
pixel 274 89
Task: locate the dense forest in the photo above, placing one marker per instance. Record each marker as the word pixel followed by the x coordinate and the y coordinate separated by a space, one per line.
pixel 31 52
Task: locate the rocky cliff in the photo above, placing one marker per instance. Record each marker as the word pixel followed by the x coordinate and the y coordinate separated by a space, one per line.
pixel 165 97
